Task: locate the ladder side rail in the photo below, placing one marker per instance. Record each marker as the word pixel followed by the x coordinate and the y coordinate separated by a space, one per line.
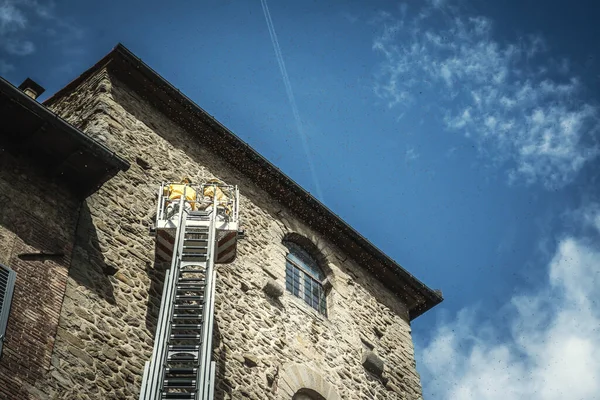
pixel 211 388
pixel 237 205
pixel 209 378
pixel 143 388
pixel 160 203
pixel 166 308
pixel 158 351
pixel 209 383
pixel 175 267
pixel 204 366
pixel 206 341
pixel 211 310
pixel 205 350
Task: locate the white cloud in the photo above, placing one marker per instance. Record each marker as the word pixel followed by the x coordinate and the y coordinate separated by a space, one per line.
pixel 535 124
pixel 19 48
pixel 411 155
pixel 20 20
pixel 44 10
pixel 594 220
pixel 551 350
pixel 11 18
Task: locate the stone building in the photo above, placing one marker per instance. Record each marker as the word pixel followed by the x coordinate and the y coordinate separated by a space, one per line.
pixel 78 188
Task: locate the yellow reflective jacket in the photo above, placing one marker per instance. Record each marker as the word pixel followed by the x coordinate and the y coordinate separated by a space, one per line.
pixel 175 191
pixel 222 198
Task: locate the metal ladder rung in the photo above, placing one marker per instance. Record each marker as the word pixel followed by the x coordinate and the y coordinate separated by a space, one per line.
pixel 178 396
pixel 194 283
pixel 186 326
pixel 191 280
pixel 183 284
pixel 200 232
pixel 183 356
pixel 184 348
pixel 189 290
pixel 183 317
pixel 188 297
pixel 192 267
pixel 193 257
pixel 181 371
pixel 192 247
pixel 185 336
pixel 188 307
pixel 179 383
pixel 191 241
pixel 195 236
pixel 196 229
pixel 196 243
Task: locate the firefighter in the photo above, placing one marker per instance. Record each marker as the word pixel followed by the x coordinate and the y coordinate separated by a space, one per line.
pixel 210 192
pixel 174 192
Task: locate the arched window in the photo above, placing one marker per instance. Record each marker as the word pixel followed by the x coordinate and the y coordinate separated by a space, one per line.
pixel 303 277
pixel 307 394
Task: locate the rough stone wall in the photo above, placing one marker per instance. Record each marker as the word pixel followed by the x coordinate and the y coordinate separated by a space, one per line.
pixel 110 311
pixel 36 216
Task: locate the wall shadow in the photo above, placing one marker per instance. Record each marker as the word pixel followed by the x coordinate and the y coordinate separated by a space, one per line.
pixel 223 386
pixel 88 265
pixel 156 273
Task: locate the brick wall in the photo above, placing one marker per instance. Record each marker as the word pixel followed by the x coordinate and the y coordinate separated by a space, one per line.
pixel 35 216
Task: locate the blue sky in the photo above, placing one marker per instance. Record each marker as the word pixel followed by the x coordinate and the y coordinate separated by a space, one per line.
pixel 460 137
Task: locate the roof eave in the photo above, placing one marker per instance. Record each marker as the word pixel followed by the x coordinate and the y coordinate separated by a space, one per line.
pixel 427 298
pixel 112 161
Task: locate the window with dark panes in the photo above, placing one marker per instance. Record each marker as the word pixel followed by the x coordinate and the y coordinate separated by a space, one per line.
pixel 7 283
pixel 303 277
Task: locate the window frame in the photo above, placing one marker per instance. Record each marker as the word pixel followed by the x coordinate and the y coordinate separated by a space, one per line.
pixel 315 296
pixel 7 286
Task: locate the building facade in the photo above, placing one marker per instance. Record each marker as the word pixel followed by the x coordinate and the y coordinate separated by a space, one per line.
pixel 308 310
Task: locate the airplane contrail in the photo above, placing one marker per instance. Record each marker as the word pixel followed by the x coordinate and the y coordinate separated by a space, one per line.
pixel 292 99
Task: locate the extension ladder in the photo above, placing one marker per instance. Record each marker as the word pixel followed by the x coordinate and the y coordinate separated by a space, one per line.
pixel 181 366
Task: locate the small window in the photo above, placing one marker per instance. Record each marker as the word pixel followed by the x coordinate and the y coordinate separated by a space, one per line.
pixel 7 283
pixel 303 278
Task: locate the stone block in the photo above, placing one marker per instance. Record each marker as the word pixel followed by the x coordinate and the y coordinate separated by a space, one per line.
pixel 391 387
pixel 372 363
pixel 238 358
pixel 273 289
pixel 81 355
pixel 250 360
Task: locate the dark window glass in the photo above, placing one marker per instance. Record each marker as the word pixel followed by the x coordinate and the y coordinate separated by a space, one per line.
pixel 303 278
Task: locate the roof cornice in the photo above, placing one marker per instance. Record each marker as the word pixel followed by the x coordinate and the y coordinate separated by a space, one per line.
pixel 172 102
